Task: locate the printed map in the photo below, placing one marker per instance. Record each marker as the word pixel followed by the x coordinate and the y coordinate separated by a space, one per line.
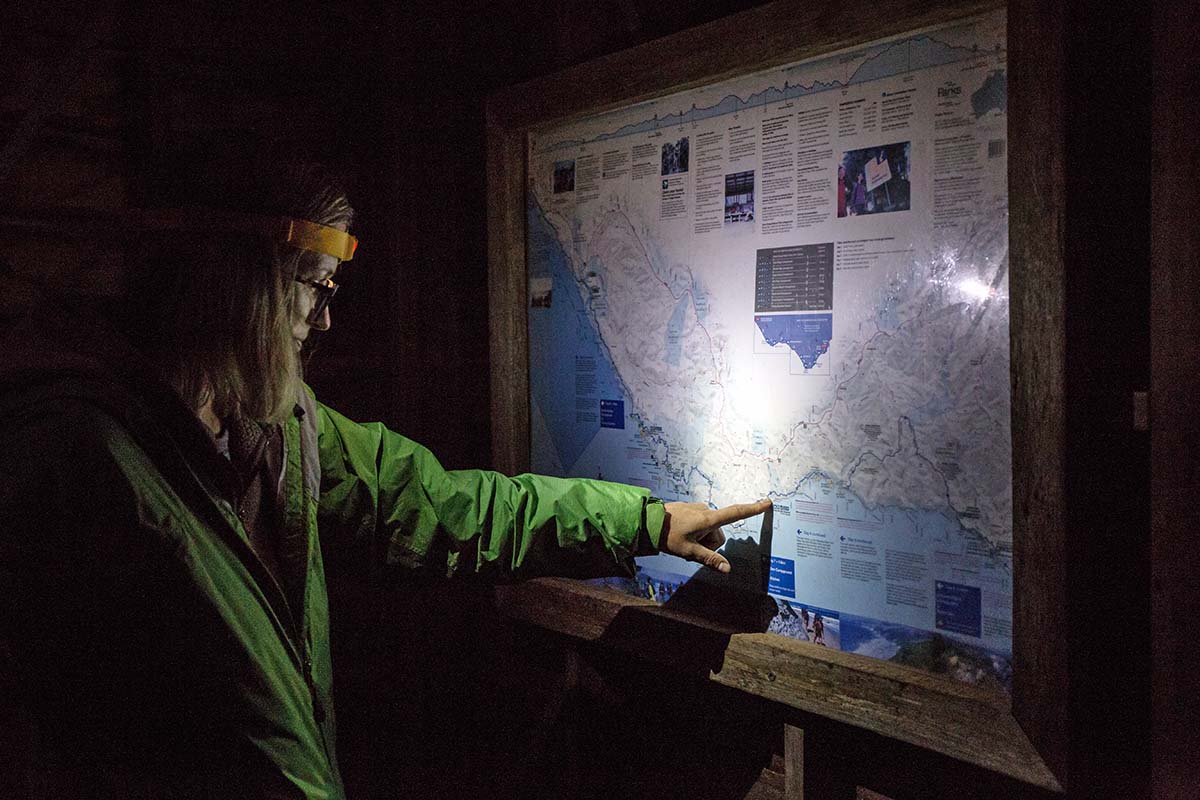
pixel 720 310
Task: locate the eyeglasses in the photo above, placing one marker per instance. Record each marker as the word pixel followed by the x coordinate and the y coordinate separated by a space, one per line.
pixel 325 290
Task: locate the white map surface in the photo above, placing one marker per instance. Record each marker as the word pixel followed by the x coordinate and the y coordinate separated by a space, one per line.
pixel 885 440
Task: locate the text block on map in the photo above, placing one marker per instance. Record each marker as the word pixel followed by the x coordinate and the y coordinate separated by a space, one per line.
pixel 794 278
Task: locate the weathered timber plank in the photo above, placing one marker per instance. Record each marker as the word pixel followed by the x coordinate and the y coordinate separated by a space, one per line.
pixel 955 719
pixel 934 713
pixel 1037 204
pixel 793 757
pixel 1175 385
pixel 508 334
pixel 759 38
pixel 769 786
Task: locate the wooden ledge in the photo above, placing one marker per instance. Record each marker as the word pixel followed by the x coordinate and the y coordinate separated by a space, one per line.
pixel 901 703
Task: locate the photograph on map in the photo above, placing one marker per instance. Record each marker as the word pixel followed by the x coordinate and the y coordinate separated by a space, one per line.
pixel 739 197
pixel 874 180
pixel 675 157
pixel 807 623
pixel 564 176
pixel 940 652
pixel 653 583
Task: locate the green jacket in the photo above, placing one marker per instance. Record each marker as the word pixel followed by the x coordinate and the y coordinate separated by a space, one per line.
pixel 159 655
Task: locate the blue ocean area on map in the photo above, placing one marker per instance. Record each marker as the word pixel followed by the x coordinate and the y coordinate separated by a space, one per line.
pixel 808 335
pixel 560 337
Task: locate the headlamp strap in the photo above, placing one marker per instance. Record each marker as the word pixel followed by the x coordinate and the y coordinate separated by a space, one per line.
pixel 318 238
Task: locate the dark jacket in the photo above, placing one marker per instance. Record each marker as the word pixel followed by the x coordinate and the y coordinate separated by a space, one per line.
pixel 158 655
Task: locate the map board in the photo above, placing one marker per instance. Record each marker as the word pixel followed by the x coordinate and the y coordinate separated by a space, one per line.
pixel 793 284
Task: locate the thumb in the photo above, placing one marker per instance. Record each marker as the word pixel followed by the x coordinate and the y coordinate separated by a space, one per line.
pixel 709 558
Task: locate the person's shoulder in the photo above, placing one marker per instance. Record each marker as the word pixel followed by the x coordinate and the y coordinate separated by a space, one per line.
pixel 65 456
pixel 71 424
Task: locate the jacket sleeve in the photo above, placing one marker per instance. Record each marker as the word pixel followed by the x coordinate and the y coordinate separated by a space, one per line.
pixel 381 485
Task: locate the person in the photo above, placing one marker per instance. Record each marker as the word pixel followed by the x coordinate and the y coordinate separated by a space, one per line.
pixel 858 201
pixel 841 191
pixel 172 490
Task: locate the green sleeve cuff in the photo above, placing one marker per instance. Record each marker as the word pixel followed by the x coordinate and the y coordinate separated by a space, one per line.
pixel 655 513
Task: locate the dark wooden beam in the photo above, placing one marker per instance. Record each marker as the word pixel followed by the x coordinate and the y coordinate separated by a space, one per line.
pixel 1175 425
pixel 900 703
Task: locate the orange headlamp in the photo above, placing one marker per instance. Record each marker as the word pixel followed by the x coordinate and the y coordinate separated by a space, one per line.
pixel 299 233
pixel 318 238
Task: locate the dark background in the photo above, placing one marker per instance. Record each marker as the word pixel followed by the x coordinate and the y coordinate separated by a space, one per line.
pixel 98 102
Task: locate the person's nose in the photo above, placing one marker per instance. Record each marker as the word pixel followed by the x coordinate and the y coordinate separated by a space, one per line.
pixel 323 322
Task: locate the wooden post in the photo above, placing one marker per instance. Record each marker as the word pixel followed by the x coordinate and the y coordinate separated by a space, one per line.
pixel 793 760
pixel 1175 382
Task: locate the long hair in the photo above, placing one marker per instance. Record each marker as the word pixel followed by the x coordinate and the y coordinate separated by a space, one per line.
pixel 213 310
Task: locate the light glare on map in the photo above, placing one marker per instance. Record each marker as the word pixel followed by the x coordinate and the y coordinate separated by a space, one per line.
pixel 976 288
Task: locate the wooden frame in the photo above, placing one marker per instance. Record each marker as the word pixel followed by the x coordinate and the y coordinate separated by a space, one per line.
pixel 1025 739
pixel 1175 383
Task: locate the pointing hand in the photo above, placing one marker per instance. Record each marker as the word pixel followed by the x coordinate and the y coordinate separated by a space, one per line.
pixel 693 530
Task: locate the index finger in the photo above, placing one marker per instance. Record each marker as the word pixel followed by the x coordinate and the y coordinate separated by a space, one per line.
pixel 738 511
